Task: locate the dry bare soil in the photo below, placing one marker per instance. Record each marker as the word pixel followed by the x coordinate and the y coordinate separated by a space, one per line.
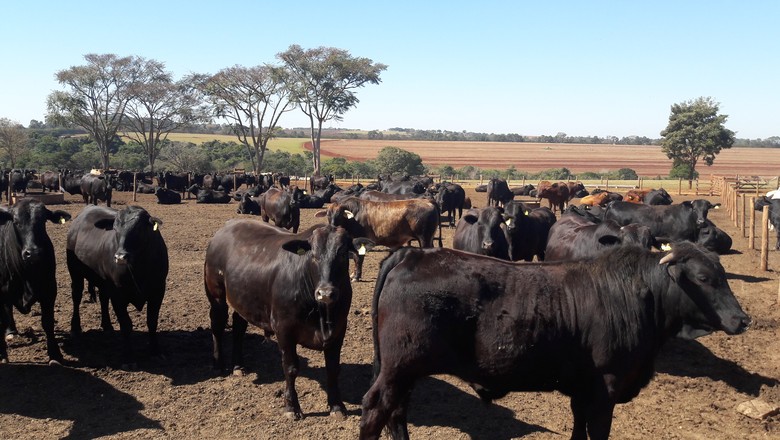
pixel 647 161
pixel 693 396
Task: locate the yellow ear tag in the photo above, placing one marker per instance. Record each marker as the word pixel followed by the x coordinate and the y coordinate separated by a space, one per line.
pixel 666 247
pixel 362 250
pixel 508 221
pixel 154 228
pixel 301 251
pixel 62 220
pixel 526 213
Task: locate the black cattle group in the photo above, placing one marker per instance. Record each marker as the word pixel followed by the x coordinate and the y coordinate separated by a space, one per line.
pixel 587 322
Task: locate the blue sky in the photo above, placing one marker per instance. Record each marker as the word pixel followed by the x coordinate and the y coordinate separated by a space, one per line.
pixel 528 67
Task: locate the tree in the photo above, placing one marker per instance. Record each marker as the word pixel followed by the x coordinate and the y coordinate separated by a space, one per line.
pixel 252 99
pixel 160 106
pixel 14 141
pixel 186 156
pixel 695 132
pixel 322 82
pixel 396 160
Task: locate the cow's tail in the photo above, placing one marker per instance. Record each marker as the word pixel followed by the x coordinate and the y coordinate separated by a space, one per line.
pixel 385 267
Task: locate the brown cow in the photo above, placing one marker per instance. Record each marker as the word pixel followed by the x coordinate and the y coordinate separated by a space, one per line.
pixel 600 199
pixel 636 195
pixel 392 224
pixel 557 194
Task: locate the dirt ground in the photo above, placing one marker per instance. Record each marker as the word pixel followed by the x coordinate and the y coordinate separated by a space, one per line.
pixel 694 395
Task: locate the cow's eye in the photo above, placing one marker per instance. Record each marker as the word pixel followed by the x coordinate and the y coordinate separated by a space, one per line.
pixel 703 278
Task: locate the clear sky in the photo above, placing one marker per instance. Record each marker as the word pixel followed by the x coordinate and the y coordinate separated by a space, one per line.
pixel 529 67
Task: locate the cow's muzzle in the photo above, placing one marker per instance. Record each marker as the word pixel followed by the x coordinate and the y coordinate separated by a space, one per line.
pixel 325 294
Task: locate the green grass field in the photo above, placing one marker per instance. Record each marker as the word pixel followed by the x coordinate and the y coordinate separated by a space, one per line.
pixel 290 145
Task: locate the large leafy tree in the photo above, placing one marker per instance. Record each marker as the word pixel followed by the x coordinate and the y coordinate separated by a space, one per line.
pixel 158 107
pixel 14 141
pixel 695 132
pixel 395 160
pixel 323 83
pixel 97 95
pixel 251 99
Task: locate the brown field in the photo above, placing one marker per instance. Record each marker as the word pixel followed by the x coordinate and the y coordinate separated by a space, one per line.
pixel 694 395
pixel 647 161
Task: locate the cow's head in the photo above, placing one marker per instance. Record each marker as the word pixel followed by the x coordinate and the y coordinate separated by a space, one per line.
pixel 247 205
pixel 700 209
pixel 328 251
pixel 134 229
pixel 487 222
pixel 708 303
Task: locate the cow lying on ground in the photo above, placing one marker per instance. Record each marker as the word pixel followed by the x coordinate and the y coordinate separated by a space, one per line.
pixel 206 195
pixel 298 288
pixel 602 198
pixel 27 269
pixel 123 254
pixel 167 196
pixel 590 330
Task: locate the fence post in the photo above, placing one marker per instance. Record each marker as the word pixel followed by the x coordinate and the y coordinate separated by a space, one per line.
pixel 765 238
pixel 741 217
pixel 697 187
pixel 607 187
pixel 735 203
pixel 752 230
pixel 679 187
pixel 135 186
pixel 523 180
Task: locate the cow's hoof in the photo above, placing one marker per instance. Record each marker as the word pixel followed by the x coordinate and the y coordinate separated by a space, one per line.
pixel 9 337
pixel 55 363
pixel 4 361
pixel 293 415
pixel 338 411
pixel 239 371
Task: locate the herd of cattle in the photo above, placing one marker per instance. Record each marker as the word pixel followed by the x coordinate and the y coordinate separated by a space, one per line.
pixel 628 272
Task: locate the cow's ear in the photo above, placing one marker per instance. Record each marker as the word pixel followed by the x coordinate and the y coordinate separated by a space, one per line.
pixel 155 222
pixel 470 218
pixel 6 216
pixel 687 204
pixel 363 245
pixel 105 223
pixel 321 213
pixel 609 240
pixel 58 216
pixel 716 206
pixel 298 247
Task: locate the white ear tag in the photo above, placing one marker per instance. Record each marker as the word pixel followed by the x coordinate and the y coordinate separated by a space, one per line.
pixel 508 221
pixel 154 228
pixel 666 247
pixel 362 250
pixel 349 214
pixel 62 220
pixel 526 213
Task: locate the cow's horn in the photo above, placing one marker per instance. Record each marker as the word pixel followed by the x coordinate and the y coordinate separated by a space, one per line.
pixel 667 258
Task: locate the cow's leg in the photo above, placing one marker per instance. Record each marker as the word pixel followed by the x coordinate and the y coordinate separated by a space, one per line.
pixel 397 423
pixel 126 329
pixel 152 318
pixel 47 322
pixel 579 409
pixel 105 316
pixel 333 368
pixel 218 314
pixel 92 293
pixel 239 330
pixel 10 325
pixel 592 416
pixel 76 291
pixel 3 345
pixel 291 367
pixel 381 400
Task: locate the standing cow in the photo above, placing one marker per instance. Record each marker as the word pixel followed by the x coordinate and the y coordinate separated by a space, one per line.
pixel 297 288
pixel 123 254
pixel 590 330
pixel 95 188
pixel 27 269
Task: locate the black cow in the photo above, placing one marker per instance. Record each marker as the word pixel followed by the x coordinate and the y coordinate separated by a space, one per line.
pixel 449 197
pixel 575 238
pixel 298 288
pixel 658 197
pixel 320 182
pixel 71 182
pixel 527 231
pixel 50 180
pixel 166 196
pixel 403 187
pixel 590 330
pixel 145 188
pixel 667 223
pixel 174 181
pixel 19 179
pixel 392 224
pixel 4 184
pixel 714 238
pixel 282 206
pixel 27 269
pixel 95 188
pixel 524 190
pixel 123 254
pixel 498 192
pixel 481 231
pixel 206 195
pixel 248 204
